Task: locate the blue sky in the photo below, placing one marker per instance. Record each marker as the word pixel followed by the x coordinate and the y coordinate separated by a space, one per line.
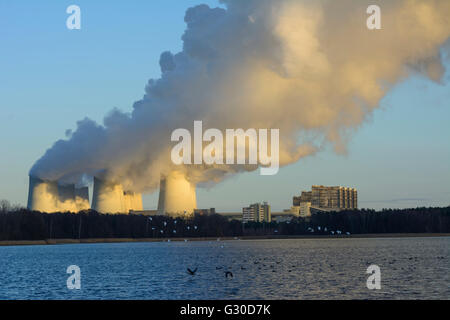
pixel 50 77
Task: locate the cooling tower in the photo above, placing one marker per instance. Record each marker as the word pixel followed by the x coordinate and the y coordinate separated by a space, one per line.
pixel 108 197
pixel 177 195
pixel 43 195
pixel 82 198
pixel 66 197
pixel 132 201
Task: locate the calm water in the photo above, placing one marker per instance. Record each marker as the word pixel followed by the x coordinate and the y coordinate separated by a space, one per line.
pixel 411 268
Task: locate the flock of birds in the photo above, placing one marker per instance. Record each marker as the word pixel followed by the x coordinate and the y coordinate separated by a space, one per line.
pixel 325 229
pixel 166 227
pixel 227 273
pixel 317 229
pixel 267 264
pixel 260 263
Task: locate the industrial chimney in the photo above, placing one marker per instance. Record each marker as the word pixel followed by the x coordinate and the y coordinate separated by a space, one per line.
pixel 177 195
pixel 43 195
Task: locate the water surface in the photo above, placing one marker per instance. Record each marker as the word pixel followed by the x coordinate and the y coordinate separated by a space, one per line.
pixel 411 268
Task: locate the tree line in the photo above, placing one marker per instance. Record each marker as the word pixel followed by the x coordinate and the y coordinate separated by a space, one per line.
pixel 22 224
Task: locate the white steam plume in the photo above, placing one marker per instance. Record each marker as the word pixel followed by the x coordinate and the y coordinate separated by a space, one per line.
pixel 310 68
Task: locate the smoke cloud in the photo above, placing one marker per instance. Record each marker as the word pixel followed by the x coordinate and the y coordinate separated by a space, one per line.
pixel 310 68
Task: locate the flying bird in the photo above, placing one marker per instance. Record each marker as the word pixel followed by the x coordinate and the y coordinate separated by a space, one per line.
pixel 189 271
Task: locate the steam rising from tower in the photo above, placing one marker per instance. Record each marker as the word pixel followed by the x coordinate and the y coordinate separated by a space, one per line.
pixel 109 197
pixel 310 68
pixel 49 196
pixel 82 198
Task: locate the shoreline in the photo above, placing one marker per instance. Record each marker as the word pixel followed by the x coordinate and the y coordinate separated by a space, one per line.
pixel 124 240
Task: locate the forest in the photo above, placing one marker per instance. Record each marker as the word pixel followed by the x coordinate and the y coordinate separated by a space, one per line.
pixel 21 224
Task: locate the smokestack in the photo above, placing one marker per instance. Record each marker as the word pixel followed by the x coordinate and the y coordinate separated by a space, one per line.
pixel 108 197
pixel 43 195
pixel 82 198
pixel 177 195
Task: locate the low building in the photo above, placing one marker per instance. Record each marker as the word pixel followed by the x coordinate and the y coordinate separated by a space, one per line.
pixel 305 209
pixel 295 210
pixel 205 212
pixel 282 216
pixel 145 212
pixel 231 215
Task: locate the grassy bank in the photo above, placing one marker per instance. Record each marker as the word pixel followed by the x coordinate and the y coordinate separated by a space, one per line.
pixel 123 240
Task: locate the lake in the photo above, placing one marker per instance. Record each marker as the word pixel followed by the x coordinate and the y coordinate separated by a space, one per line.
pixel 411 268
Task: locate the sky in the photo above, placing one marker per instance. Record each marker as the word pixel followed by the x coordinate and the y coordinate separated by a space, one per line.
pixel 50 77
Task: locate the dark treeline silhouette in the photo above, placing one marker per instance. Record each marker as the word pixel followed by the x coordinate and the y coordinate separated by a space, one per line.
pixel 21 224
pixel 419 220
pixel 27 225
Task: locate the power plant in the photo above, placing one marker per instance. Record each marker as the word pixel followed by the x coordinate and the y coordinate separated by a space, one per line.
pixel 109 197
pixel 177 197
pixel 49 196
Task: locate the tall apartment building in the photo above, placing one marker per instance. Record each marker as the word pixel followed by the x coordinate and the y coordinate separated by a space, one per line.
pixel 330 198
pixel 257 213
pixel 304 197
pixel 334 197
